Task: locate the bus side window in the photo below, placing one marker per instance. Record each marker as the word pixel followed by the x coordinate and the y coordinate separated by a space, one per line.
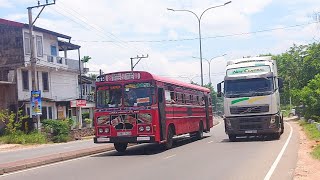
pixel 183 98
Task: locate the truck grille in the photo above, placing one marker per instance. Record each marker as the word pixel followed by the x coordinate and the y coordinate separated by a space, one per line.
pixel 251 126
pixel 249 109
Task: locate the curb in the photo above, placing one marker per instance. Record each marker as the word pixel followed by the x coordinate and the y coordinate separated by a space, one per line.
pixel 49 159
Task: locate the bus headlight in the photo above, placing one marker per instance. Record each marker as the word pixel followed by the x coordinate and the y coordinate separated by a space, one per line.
pixel 148 128
pixel 100 130
pixel 106 130
pixel 141 128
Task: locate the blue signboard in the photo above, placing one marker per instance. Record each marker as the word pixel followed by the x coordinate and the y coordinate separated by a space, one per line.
pixel 36 106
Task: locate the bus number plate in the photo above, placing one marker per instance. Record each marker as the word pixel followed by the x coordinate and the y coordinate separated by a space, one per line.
pixel 251 131
pixel 127 133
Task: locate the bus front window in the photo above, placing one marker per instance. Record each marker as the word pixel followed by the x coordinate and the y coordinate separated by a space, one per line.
pixel 109 96
pixel 138 94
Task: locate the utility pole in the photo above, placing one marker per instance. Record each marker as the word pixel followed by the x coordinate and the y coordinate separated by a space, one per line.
pixel 139 58
pixel 33 59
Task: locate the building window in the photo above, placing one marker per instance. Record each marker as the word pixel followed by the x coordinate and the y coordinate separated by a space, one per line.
pixel 39 46
pixel 27 48
pixel 54 50
pixel 50 112
pixel 45 81
pixel 44 114
pixel 25 80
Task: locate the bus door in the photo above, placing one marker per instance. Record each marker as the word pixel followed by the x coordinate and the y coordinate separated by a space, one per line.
pixel 206 103
pixel 162 115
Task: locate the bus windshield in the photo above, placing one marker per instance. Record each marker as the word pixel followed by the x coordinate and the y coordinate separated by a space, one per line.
pixel 109 96
pixel 138 94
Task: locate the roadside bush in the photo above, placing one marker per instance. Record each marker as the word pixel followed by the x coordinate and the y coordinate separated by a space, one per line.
pixel 12 124
pixel 59 129
pixel 20 137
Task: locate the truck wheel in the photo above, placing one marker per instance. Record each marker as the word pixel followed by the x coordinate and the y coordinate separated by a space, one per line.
pixel 169 142
pixel 121 147
pixel 199 134
pixel 282 127
pixel 232 137
pixel 276 136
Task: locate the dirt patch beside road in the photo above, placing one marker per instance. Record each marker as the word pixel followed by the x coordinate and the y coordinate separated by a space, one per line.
pixel 307 166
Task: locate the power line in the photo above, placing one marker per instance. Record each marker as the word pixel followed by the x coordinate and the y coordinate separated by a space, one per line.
pixel 91 27
pixel 209 37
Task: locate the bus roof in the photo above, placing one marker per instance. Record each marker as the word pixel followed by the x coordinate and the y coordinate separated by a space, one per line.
pixel 143 75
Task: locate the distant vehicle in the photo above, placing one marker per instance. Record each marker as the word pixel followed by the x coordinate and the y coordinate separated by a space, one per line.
pixel 292 112
pixel 138 107
pixel 251 98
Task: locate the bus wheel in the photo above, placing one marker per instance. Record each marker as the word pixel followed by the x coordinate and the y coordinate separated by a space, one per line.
pixel 121 147
pixel 232 137
pixel 169 142
pixel 199 134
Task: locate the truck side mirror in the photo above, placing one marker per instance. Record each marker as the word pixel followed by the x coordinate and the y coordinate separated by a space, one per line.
pixel 280 83
pixel 219 90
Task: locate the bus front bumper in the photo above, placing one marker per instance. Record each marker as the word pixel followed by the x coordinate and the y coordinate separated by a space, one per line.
pixel 135 139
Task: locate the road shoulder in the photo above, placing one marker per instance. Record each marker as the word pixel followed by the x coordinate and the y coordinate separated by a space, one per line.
pixel 307 166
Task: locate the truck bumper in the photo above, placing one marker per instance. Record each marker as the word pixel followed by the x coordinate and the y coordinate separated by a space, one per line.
pixel 253 125
pixel 135 139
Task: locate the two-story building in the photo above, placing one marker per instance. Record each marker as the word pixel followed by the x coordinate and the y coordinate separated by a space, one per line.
pixel 56 73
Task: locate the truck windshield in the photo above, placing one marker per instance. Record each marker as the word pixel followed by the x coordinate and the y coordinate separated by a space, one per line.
pixel 138 94
pixel 249 87
pixel 109 96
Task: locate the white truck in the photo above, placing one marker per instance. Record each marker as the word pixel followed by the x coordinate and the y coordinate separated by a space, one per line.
pixel 251 98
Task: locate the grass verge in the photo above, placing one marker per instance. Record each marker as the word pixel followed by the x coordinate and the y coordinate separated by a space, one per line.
pixel 21 138
pixel 313 134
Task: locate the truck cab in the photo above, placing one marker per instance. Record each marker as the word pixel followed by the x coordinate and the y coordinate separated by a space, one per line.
pixel 251 98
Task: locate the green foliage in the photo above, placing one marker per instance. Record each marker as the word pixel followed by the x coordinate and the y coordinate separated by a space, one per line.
pixel 311 130
pixel 19 137
pixel 299 67
pixel 60 128
pixel 88 121
pixel 12 124
pixel 316 152
pixel 85 115
pixel 310 96
pixel 86 59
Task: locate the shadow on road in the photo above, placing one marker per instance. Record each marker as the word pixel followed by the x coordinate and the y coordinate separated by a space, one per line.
pixel 250 139
pixel 149 149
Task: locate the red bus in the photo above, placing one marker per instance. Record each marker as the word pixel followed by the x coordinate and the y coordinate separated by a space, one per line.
pixel 139 107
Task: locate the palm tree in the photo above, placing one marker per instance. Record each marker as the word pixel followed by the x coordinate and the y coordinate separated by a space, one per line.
pixel 85 60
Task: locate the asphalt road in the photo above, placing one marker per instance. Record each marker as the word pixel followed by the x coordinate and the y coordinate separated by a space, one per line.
pixel 213 157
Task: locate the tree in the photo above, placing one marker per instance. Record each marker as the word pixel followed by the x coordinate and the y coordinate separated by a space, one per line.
pixel 86 59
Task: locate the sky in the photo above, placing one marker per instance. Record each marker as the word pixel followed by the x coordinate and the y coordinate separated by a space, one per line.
pixel 111 32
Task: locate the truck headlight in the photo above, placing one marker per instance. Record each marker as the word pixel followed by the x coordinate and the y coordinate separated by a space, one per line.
pixel 273 119
pixel 106 130
pixel 228 123
pixel 148 128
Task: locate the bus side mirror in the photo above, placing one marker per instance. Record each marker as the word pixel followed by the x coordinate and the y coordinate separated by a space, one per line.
pixel 219 90
pixel 280 83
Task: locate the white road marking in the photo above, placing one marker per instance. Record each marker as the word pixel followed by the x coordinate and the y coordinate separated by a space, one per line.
pixel 60 162
pixel 210 142
pixel 275 163
pixel 169 156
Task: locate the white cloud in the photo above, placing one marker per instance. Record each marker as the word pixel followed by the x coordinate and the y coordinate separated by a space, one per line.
pixel 5 4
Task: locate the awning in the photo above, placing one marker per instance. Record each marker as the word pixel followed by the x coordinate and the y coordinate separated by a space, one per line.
pixel 67 46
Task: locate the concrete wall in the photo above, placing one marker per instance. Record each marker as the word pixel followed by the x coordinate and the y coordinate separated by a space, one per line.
pixel 63 85
pixel 11 46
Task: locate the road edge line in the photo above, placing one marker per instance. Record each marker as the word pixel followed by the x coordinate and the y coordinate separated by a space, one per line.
pixel 275 163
